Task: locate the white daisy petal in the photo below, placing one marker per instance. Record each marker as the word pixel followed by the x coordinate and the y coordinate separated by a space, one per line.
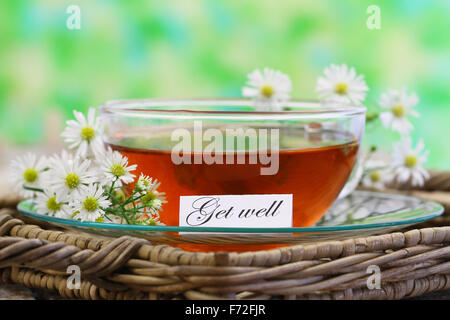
pixel 341 85
pixel 114 167
pixel 91 117
pixel 80 117
pixel 81 133
pixel 399 105
pixel 386 119
pixel 407 162
pixel 269 89
pixel 69 175
pixel 376 178
pixel 47 203
pixel 89 204
pixel 28 170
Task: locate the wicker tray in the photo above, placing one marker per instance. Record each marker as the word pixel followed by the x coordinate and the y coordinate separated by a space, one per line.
pixel 412 262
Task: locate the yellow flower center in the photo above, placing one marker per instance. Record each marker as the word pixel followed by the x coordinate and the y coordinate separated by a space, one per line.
pixel 30 175
pixel 99 219
pixel 149 196
pixel 375 176
pixel 398 110
pixel 267 90
pixel 341 88
pixel 410 161
pixel 87 133
pixel 90 204
pixel 72 180
pixel 52 205
pixel 117 170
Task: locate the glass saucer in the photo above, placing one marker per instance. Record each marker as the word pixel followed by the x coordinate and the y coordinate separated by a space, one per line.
pixel 360 214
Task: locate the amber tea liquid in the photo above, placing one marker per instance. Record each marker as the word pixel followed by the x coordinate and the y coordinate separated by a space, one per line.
pixel 313 167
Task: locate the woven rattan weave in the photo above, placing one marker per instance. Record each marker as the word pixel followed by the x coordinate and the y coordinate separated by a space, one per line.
pixel 412 262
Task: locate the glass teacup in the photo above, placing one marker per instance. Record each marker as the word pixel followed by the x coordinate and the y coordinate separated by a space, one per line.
pixel 204 150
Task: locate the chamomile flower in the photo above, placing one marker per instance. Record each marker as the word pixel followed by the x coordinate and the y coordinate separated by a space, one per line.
pixel 399 105
pixel 143 183
pixel 28 170
pixel 150 214
pixel 149 217
pixel 46 203
pixel 114 167
pixel 83 134
pixel 407 162
pixel 69 175
pixel 269 89
pixel 341 84
pixel 90 203
pixel 375 178
pixel 151 197
pixel 151 200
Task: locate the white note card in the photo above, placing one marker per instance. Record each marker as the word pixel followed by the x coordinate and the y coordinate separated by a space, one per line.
pixel 238 211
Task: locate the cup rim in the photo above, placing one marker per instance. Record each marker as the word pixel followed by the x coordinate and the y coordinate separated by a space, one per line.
pixel 143 106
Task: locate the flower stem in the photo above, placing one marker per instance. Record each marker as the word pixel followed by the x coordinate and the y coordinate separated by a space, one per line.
pixel 33 189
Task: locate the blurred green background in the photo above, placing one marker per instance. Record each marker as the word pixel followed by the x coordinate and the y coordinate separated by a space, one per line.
pixel 135 49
